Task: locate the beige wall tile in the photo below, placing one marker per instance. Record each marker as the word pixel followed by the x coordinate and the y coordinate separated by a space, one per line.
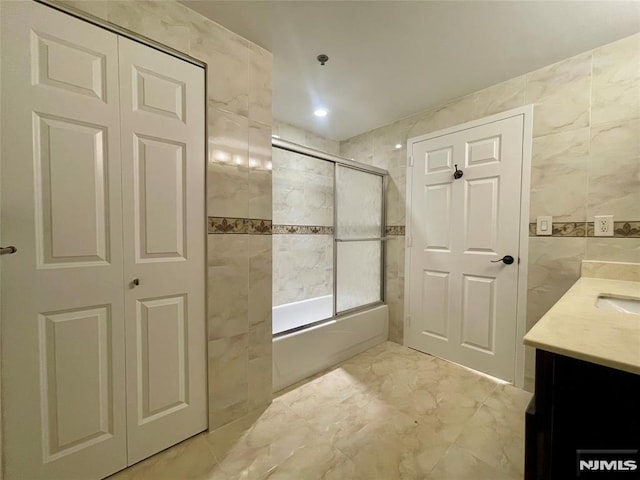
pixel 260 381
pixel 260 282
pixel 227 171
pixel 228 285
pixel 561 93
pixel 302 189
pixel 359 148
pixel 289 132
pixel 228 379
pixel 302 267
pixel 260 88
pixel 260 168
pixel 97 8
pixel 613 249
pixel 614 170
pixel 168 23
pixel 500 97
pixel 453 113
pixel 554 266
pixel 559 167
pixel 227 55
pixel 616 81
pixel 303 137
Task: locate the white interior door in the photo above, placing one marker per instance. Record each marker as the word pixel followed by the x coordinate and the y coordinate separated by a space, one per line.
pixel 462 298
pixel 163 170
pixel 102 183
pixel 62 297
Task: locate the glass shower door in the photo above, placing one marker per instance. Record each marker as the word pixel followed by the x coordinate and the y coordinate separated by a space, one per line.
pixel 359 238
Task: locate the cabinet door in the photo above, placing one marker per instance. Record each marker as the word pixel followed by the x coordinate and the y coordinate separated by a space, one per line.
pixel 62 300
pixel 163 174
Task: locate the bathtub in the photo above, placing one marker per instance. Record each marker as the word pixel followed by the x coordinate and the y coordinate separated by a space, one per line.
pixel 300 354
pixel 304 312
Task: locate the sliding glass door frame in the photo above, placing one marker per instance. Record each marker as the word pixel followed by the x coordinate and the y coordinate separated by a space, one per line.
pixel 351 164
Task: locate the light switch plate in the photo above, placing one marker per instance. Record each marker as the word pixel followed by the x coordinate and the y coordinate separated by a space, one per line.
pixel 544 225
pixel 603 226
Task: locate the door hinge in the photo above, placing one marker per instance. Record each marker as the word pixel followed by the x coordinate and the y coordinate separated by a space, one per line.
pixel 411 160
pixel 409 241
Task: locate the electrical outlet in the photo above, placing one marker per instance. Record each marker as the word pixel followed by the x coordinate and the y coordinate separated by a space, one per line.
pixel 603 226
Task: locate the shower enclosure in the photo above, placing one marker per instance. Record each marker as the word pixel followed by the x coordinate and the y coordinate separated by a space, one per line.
pixel 328 259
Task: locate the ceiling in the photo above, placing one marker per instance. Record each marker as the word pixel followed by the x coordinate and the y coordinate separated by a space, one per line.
pixel 390 59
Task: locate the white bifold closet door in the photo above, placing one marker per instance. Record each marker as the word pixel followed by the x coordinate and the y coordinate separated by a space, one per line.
pixel 102 183
pixel 162 136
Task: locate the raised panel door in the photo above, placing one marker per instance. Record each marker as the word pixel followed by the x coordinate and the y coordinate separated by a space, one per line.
pixel 62 300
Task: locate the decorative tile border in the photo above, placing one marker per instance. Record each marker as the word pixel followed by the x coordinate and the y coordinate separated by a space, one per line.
pixel 394 230
pixel 302 230
pixel 228 225
pixel 585 229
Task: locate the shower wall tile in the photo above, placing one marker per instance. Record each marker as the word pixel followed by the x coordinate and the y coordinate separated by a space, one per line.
pixel 228 298
pixel 306 138
pixel 288 132
pixel 559 167
pixel 260 88
pixel 616 81
pixel 359 148
pixel 562 95
pixel 302 267
pixel 260 168
pixel 302 190
pixel 228 379
pixel 227 171
pixel 394 283
pixel 614 170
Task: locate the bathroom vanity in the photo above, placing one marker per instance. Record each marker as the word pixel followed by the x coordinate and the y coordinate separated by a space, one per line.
pixel 586 404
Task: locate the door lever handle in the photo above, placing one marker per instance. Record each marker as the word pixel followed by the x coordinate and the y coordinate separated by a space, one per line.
pixel 8 250
pixel 507 259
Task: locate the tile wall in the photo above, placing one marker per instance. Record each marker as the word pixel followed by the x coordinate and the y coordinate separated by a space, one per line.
pixel 238 198
pixel 586 162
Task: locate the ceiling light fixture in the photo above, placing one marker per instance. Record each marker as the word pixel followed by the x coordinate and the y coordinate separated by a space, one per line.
pixel 320 112
pixel 398 146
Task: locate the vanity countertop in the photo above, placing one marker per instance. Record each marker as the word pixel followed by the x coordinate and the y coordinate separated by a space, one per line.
pixel 576 328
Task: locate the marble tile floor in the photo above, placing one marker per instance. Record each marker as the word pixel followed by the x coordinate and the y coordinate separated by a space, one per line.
pixel 388 413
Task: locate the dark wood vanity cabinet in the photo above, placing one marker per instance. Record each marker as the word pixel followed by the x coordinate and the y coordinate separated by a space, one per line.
pixel 581 410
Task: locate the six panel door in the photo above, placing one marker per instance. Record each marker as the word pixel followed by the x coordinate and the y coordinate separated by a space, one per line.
pixel 73 408
pixel 162 128
pixel 62 299
pixel 463 299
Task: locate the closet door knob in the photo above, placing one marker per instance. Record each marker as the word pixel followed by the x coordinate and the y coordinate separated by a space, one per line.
pixel 135 282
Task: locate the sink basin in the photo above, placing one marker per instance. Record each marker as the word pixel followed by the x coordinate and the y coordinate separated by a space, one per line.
pixel 619 304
